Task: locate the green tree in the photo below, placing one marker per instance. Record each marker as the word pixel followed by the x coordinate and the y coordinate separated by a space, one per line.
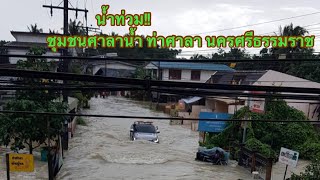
pixel 53 31
pixel 268 138
pixel 3 50
pixel 312 172
pixel 19 130
pixel 75 28
pixel 34 29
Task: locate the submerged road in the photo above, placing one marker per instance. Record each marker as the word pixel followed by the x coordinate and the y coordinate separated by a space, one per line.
pixel 103 150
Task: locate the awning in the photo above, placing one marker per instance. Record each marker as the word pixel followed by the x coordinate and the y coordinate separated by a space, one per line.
pixel 226 100
pixel 191 100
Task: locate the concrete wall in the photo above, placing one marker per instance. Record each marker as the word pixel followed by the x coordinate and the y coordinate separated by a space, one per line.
pixel 216 106
pixel 31 38
pixel 232 108
pixel 186 75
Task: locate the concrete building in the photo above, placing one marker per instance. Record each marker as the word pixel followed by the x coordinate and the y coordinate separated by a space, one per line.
pixel 185 72
pixel 26 40
pixel 182 72
pixel 310 108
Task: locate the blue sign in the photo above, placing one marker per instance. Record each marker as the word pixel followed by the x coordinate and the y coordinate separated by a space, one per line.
pixel 212 126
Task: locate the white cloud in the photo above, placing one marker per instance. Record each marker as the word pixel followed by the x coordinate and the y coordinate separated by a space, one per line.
pixel 216 17
pixel 300 10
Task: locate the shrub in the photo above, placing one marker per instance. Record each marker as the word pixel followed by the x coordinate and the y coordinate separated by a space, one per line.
pixel 81 121
pixel 309 150
pixel 262 148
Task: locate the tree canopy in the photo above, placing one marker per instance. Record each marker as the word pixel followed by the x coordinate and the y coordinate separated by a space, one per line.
pixel 18 130
pixel 269 137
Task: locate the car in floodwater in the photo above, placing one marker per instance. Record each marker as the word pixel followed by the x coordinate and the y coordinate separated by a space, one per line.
pixel 141 130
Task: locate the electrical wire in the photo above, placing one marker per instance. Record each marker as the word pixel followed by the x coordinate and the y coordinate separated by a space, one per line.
pixel 158 83
pixel 159 60
pixel 157 118
pixel 249 25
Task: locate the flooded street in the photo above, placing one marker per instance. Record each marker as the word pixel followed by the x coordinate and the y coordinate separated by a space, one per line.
pixel 103 150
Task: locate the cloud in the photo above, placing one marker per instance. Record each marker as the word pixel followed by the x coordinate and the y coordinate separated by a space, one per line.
pixel 216 17
pixel 300 10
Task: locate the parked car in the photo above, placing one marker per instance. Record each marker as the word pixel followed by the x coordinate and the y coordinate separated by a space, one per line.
pixel 141 130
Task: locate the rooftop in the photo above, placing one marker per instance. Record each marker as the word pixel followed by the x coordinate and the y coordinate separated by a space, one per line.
pixel 32 34
pixel 25 44
pixel 193 66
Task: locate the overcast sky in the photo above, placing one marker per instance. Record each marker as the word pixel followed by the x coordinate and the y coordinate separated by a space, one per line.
pixel 179 17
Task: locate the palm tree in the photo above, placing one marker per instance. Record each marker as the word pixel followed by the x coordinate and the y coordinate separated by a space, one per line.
pixel 290 30
pixel 75 28
pixel 53 31
pixel 296 52
pixel 34 29
pixel 113 34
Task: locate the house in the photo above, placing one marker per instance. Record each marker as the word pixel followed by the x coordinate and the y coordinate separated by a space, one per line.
pixel 26 40
pixel 182 72
pixel 111 68
pixel 310 108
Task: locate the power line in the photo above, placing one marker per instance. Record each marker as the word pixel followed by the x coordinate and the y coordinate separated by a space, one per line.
pixel 159 60
pixel 266 22
pixel 155 118
pixel 301 26
pixel 148 83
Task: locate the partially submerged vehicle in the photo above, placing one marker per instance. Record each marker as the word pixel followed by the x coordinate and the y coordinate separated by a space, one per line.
pixel 144 130
pixel 215 155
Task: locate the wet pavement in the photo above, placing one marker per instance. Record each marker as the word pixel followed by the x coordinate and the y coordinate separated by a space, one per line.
pixel 103 150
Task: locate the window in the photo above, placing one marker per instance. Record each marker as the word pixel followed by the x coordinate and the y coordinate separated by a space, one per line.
pixel 174 74
pixel 145 128
pixel 195 75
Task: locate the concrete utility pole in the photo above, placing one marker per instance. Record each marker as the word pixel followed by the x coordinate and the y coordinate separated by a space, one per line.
pixel 66 9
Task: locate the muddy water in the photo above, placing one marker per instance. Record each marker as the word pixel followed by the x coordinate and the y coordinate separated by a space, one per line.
pixel 102 149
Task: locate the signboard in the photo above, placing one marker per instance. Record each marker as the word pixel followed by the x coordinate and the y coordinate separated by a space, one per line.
pixel 257 104
pixel 288 157
pixel 212 126
pixel 21 162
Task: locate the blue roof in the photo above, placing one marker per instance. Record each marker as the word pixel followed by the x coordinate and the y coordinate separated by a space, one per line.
pixel 193 66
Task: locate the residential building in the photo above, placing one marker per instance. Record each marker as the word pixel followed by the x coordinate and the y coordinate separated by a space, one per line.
pixel 182 72
pixel 111 68
pixel 185 72
pixel 310 108
pixel 26 40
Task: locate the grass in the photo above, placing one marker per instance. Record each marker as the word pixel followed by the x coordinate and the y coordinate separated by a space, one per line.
pixel 81 121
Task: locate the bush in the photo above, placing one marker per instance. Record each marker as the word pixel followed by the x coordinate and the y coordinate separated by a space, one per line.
pixel 262 148
pixel 81 121
pixel 310 151
pixel 312 172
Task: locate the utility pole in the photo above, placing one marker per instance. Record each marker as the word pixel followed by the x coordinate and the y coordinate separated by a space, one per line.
pixel 66 9
pixel 246 123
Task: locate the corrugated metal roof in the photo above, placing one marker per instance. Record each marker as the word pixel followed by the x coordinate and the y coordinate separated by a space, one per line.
pixel 120 73
pixel 193 66
pixel 227 77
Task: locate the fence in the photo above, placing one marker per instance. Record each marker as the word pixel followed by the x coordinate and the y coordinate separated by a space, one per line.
pixel 252 161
